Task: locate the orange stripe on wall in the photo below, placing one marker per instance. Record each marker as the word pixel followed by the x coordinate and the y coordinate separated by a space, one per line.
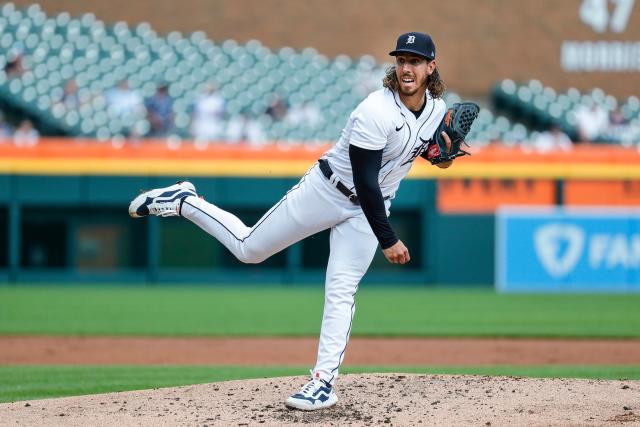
pixel 154 149
pixel 150 149
pixel 69 157
pixel 610 193
pixel 485 195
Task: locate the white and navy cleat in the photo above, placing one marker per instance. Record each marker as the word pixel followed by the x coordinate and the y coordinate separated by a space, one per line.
pixel 316 394
pixel 161 201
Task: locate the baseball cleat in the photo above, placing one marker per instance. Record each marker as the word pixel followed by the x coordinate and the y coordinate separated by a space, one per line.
pixel 316 394
pixel 161 201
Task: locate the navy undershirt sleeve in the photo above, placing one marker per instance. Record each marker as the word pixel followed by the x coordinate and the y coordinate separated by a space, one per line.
pixel 365 165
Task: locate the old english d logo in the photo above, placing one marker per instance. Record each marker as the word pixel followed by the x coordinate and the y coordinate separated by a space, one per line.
pixel 549 240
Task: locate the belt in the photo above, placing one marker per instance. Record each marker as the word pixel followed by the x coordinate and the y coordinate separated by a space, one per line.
pixel 333 179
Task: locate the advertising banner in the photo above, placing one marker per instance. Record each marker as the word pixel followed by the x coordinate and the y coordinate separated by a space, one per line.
pixel 568 250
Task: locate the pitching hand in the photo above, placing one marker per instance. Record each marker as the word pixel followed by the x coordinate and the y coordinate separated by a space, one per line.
pixel 397 254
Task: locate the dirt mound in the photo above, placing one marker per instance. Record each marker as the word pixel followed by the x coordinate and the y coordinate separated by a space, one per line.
pixel 394 399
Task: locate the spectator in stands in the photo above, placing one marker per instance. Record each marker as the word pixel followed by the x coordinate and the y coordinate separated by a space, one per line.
pixel 616 118
pixel 242 128
pixel 26 135
pixel 15 65
pixel 124 101
pixel 5 129
pixel 160 112
pixel 618 129
pixel 70 98
pixel 277 109
pixel 553 139
pixel 208 115
pixel 592 122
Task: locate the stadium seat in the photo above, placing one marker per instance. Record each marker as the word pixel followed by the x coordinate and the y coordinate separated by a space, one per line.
pixel 539 107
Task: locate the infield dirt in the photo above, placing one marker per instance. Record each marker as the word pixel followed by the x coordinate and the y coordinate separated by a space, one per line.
pixel 369 399
pixel 302 351
pixel 390 399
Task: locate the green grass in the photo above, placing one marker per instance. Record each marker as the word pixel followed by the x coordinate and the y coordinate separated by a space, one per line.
pixel 36 382
pixel 289 311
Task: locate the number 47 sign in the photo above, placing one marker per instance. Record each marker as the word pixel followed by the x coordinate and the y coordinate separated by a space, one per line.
pixel 598 15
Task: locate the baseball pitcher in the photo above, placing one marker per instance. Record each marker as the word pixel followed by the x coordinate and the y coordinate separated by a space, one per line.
pixel 349 191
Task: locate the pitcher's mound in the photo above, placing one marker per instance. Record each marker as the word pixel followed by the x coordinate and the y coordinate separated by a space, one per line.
pixel 374 399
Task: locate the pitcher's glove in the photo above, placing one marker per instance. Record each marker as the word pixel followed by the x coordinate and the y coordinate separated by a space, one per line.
pixel 457 124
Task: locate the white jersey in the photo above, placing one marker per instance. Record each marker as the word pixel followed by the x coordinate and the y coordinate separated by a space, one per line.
pixel 383 122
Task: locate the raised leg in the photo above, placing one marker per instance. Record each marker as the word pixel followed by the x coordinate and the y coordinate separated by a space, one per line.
pixel 305 210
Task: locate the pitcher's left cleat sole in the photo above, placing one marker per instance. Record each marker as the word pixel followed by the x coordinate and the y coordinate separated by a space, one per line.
pixel 161 201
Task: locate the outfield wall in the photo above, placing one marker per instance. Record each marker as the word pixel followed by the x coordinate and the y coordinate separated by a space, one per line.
pixel 77 227
pixel 63 210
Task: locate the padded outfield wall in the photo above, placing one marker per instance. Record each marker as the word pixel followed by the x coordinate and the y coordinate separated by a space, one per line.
pixel 63 210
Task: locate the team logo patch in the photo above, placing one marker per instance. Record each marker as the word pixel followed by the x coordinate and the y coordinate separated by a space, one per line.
pixel 418 150
pixel 411 39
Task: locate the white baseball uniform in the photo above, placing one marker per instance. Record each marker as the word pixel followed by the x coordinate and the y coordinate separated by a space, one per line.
pixel 380 122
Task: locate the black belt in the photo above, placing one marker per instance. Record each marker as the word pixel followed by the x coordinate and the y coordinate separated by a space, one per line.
pixel 333 179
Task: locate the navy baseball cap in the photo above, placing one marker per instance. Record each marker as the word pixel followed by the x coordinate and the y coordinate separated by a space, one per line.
pixel 416 43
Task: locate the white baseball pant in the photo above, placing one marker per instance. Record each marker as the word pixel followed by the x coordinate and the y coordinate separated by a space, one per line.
pixel 310 206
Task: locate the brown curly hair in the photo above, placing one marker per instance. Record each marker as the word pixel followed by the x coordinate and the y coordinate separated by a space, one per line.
pixel 435 85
